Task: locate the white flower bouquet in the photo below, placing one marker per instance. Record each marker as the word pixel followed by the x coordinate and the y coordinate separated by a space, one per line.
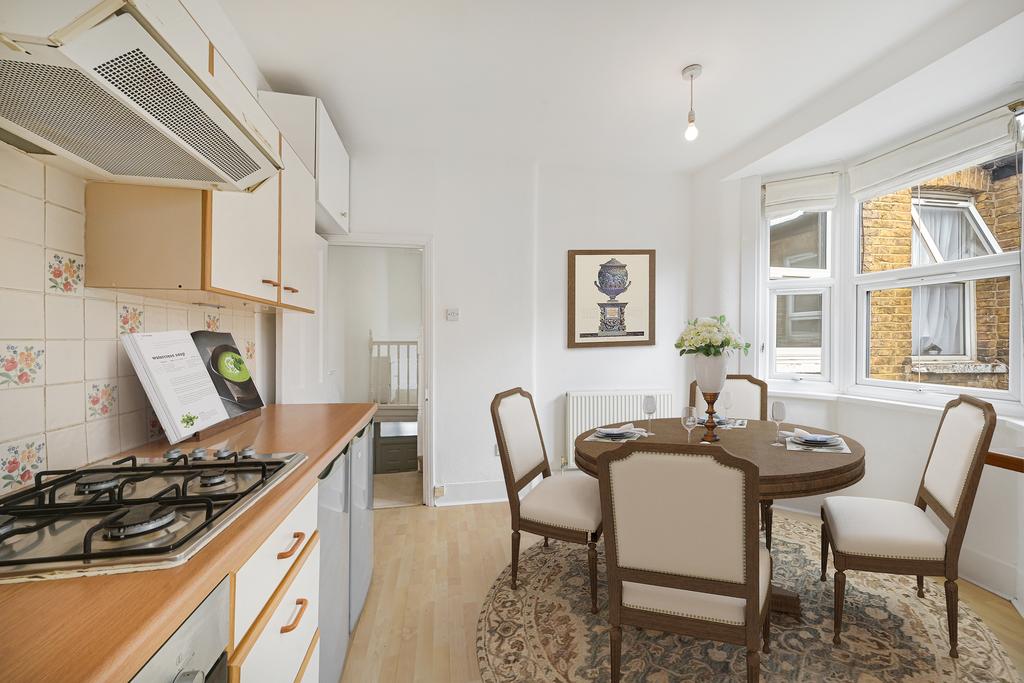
pixel 710 337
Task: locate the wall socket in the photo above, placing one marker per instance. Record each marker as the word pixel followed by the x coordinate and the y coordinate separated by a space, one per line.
pixel 451 315
pixel 438 492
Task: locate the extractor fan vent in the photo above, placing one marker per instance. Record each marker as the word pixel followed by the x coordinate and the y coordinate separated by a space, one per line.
pixel 63 106
pixel 143 82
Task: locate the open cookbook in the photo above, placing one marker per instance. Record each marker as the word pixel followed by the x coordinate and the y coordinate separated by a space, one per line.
pixel 193 381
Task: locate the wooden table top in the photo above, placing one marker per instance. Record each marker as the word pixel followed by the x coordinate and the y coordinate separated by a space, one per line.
pixel 784 473
pixel 104 628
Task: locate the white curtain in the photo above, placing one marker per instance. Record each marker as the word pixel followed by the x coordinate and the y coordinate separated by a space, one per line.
pixel 938 320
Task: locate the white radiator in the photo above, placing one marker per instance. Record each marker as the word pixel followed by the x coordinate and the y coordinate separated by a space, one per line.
pixel 588 409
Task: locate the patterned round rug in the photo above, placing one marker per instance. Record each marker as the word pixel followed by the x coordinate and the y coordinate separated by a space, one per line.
pixel 544 631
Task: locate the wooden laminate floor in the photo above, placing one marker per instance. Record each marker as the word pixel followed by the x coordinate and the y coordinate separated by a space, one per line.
pixel 433 569
pixel 397 490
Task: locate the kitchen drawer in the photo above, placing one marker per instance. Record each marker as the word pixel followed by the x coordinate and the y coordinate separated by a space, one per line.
pixel 261 574
pixel 281 646
pixel 311 671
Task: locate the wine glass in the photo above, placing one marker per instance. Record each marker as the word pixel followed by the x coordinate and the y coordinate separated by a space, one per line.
pixel 778 417
pixel 689 421
pixel 725 402
pixel 650 408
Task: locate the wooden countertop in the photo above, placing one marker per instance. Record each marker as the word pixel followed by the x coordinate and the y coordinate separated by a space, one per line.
pixel 104 628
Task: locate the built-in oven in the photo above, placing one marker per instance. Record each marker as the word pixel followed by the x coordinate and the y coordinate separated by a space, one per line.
pixel 197 652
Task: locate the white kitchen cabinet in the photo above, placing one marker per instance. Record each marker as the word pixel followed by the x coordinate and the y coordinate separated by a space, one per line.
pixel 264 570
pixel 304 121
pixel 244 241
pixel 298 232
pixel 280 648
pixel 311 674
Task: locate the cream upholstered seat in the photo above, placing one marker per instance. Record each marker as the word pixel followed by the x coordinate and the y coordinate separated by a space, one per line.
pixel 566 507
pixel 682 548
pixel 697 605
pixel 876 535
pixel 883 528
pixel 570 501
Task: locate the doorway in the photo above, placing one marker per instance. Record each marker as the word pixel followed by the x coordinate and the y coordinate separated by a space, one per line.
pixel 378 342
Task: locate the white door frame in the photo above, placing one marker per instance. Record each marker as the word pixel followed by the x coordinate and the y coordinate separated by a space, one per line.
pixel 425 243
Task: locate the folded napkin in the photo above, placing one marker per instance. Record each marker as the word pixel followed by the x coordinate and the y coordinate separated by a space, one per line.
pixel 624 429
pixel 800 432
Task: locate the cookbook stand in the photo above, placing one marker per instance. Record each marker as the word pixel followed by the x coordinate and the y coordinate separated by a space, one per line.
pixel 216 429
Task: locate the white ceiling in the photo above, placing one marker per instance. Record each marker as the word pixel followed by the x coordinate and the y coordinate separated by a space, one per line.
pixel 569 81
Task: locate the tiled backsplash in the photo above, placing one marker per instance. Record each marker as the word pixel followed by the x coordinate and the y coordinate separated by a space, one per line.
pixel 68 393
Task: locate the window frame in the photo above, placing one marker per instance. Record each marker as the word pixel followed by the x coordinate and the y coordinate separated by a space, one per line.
pixel 781 281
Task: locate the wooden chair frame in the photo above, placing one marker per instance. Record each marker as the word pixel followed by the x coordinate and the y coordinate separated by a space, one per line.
pixel 956 522
pixel 757 621
pixel 513 486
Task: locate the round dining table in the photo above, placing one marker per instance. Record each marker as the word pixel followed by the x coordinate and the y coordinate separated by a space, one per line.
pixel 784 473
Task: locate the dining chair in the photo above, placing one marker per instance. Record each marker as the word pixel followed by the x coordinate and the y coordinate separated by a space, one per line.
pixel 749 401
pixel 566 507
pixel 682 548
pixel 749 397
pixel 877 535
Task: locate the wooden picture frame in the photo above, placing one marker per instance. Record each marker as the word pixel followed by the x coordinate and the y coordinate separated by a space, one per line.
pixel 597 314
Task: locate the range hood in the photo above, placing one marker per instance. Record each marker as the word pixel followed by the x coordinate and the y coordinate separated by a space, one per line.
pixel 114 100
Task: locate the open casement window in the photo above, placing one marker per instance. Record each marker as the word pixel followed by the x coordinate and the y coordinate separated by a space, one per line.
pixel 798 234
pixel 939 283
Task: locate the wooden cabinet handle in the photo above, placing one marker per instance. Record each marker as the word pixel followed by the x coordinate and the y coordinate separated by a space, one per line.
pixel 272 283
pixel 299 537
pixel 303 603
pixel 293 290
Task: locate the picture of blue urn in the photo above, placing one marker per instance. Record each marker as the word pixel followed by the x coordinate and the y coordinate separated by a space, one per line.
pixel 612 278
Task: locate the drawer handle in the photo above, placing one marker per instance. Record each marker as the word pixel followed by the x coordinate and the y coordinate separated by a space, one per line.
pixel 299 537
pixel 303 603
pixel 293 290
pixel 272 283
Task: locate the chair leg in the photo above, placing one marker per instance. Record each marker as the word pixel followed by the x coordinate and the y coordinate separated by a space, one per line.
pixel 766 517
pixel 766 631
pixel 515 559
pixel 616 638
pixel 824 552
pixel 753 666
pixel 840 595
pixel 592 562
pixel 952 616
pixel 920 586
pixel 545 541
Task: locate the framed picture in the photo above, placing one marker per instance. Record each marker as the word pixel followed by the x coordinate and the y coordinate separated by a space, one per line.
pixel 611 297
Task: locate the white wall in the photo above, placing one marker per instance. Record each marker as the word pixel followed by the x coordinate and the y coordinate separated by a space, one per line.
pixel 593 209
pixel 370 288
pixel 500 232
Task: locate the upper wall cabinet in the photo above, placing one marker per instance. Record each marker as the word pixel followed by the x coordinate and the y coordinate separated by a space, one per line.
pixel 304 121
pixel 258 246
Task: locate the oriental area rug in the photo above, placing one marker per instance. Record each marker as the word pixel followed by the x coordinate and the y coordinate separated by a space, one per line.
pixel 544 631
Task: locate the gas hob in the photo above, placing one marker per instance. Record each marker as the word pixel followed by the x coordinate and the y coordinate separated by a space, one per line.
pixel 132 514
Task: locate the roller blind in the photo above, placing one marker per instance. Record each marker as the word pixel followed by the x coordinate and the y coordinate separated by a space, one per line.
pixel 956 146
pixel 810 193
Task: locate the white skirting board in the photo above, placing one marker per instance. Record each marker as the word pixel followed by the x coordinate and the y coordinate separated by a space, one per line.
pixel 471 492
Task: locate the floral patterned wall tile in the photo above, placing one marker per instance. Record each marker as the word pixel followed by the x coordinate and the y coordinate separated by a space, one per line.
pixel 250 349
pixel 129 319
pixel 100 399
pixel 21 364
pixel 64 273
pixel 213 322
pixel 20 460
pixel 154 430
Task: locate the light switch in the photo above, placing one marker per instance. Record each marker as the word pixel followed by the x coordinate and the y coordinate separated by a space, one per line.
pixel 451 315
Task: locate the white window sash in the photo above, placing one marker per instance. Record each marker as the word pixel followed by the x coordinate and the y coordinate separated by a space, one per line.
pixel 775 293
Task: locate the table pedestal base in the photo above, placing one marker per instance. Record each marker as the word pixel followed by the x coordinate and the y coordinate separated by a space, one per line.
pixel 785 601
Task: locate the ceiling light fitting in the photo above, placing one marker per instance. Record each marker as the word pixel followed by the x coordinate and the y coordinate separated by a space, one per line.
pixel 691 72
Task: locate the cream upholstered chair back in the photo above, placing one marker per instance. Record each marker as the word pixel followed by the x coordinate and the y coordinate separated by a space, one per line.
pixel 689 511
pixel 519 440
pixel 958 454
pixel 749 398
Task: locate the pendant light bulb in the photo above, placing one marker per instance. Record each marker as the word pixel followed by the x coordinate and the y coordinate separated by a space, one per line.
pixel 691 72
pixel 691 128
